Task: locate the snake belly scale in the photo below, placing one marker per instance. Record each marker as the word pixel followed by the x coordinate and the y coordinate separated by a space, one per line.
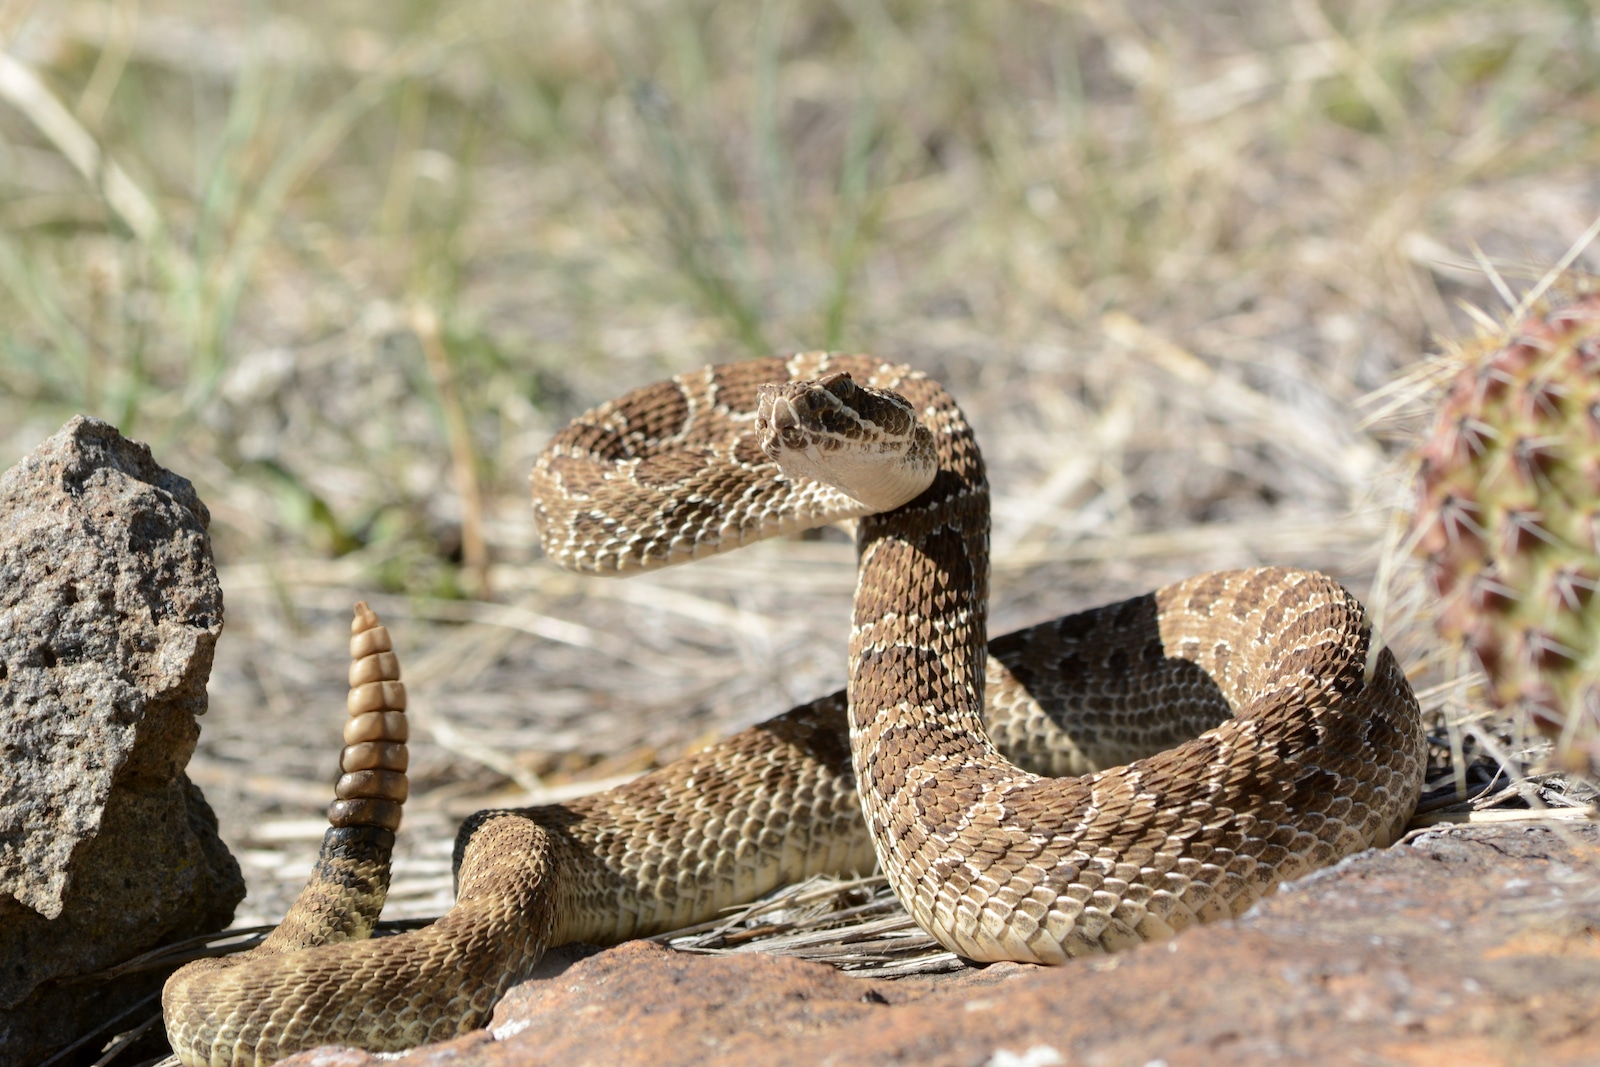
pixel 1250 730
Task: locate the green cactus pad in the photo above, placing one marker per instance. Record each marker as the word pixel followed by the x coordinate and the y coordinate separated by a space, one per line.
pixel 1507 518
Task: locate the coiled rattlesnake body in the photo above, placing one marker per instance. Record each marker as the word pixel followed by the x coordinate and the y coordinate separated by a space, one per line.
pixel 1291 746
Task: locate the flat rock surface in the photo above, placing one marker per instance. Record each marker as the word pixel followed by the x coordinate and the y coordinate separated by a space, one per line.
pixel 109 612
pixel 1465 946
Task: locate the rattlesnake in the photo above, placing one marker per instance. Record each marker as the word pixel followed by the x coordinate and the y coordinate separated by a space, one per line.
pixel 1309 747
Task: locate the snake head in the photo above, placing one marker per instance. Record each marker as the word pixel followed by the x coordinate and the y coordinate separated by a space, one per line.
pixel 866 442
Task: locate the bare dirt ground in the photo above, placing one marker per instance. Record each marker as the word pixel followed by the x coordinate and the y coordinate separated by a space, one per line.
pixel 346 265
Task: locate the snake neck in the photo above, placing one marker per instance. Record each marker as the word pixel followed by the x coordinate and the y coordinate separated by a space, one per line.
pixel 920 623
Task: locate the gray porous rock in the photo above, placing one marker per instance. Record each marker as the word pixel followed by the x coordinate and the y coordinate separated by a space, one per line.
pixel 109 613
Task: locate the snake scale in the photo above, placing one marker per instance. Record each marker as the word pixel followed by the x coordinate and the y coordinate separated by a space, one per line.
pixel 1250 732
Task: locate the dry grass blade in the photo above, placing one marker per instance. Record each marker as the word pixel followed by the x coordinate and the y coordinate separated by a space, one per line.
pixel 126 1041
pixel 856 925
pixel 101 1030
pixel 463 461
pixel 22 89
pixel 205 771
pixel 1503 815
pixel 1551 276
pixel 177 953
pixel 221 943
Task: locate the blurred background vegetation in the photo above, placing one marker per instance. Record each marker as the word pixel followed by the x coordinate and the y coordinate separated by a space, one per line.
pixel 346 264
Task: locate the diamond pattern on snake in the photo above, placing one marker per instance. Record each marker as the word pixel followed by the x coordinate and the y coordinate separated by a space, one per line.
pixel 1185 751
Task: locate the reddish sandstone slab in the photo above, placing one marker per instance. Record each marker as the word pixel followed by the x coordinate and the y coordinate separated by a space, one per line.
pixel 1467 946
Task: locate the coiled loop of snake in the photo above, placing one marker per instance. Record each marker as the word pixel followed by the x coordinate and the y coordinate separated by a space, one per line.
pixel 1001 864
pixel 1303 754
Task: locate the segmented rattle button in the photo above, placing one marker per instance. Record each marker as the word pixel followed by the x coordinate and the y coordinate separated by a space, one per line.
pixel 382 785
pixel 376 696
pixel 375 755
pixel 377 726
pixel 366 811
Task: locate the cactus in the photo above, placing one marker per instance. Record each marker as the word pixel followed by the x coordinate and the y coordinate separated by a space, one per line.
pixel 1507 518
